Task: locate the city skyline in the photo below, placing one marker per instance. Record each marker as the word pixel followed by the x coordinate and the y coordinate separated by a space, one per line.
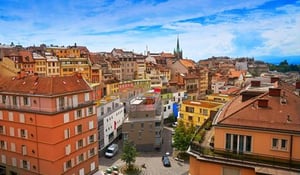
pixel 262 29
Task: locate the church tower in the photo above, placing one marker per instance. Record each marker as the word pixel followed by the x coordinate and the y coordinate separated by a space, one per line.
pixel 178 51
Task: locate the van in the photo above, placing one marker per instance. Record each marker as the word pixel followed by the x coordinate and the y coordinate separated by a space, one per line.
pixel 112 150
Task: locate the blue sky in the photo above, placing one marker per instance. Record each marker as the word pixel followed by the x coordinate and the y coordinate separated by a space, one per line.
pixel 255 28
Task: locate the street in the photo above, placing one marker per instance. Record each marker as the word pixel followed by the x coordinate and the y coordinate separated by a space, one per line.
pixel 152 160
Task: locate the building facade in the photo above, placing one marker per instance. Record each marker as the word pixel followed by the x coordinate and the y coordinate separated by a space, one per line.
pixel 252 136
pixel 110 114
pixel 48 126
pixel 144 124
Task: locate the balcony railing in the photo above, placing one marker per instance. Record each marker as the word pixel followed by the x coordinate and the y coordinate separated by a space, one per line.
pixel 245 158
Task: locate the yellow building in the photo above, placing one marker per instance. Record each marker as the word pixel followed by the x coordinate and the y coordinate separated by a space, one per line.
pixel 70 65
pixel 222 98
pixel 40 64
pixel 61 52
pixel 195 113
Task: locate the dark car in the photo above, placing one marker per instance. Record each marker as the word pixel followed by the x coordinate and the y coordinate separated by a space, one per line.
pixel 166 161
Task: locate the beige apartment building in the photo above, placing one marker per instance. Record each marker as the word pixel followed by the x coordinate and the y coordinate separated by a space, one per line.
pixel 144 124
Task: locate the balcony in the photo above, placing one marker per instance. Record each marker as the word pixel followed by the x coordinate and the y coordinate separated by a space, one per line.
pixel 242 158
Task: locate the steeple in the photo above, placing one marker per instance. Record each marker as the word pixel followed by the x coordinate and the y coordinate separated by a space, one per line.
pixel 178 51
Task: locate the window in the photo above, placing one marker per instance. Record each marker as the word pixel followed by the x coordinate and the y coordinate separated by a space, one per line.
pixel 25 164
pixel 2 129
pixel 90 110
pixel 91 152
pixel 25 101
pixel 80 144
pixel 238 143
pixel 91 138
pixel 142 126
pixel 189 109
pixel 2 144
pixel 157 124
pixel 4 99
pixel 284 144
pixel 14 99
pixel 205 112
pixel 274 143
pixel 68 164
pixel 78 129
pixel 78 113
pixel 23 133
pixel 279 144
pixel 80 158
pixel 190 118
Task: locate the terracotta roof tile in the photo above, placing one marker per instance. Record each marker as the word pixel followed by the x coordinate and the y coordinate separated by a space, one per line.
pixel 275 116
pixel 44 85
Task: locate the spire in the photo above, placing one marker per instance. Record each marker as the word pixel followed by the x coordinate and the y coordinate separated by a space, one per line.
pixel 177 50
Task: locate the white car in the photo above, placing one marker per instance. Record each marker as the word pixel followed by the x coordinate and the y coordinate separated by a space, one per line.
pixel 112 150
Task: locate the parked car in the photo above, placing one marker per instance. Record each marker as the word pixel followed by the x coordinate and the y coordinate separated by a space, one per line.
pixel 174 124
pixel 112 150
pixel 166 161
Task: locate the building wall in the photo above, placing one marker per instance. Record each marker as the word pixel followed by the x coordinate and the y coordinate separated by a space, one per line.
pixel 198 167
pixel 261 142
pixel 196 118
pixel 47 136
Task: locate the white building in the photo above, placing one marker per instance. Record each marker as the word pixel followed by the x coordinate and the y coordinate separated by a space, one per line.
pixel 110 113
pixel 169 99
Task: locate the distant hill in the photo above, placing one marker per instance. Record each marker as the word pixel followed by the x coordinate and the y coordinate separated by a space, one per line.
pixel 277 60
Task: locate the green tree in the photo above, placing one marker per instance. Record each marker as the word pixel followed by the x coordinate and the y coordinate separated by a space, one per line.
pixel 183 136
pixel 129 154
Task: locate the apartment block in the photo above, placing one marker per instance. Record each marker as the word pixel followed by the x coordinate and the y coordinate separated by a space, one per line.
pixel 110 114
pixel 254 134
pixel 195 113
pixel 48 125
pixel 144 124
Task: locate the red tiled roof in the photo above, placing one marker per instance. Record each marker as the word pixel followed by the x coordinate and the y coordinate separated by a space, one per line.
pixel 274 117
pixel 44 85
pixel 187 63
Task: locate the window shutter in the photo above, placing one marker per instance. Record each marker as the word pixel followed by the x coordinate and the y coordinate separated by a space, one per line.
pixel 1 115
pixel 22 101
pixel 29 102
pixel 83 140
pixel 28 165
pixel 57 104
pixel 11 131
pixel 75 115
pixel 91 124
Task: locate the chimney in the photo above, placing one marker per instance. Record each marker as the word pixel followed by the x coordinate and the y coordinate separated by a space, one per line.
pixel 255 83
pixel 275 92
pixel 263 103
pixel 274 79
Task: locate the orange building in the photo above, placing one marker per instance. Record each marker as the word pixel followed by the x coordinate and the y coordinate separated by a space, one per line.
pixel 256 136
pixel 48 125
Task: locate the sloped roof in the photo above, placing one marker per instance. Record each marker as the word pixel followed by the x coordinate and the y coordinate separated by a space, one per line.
pixel 49 86
pixel 274 117
pixel 187 63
